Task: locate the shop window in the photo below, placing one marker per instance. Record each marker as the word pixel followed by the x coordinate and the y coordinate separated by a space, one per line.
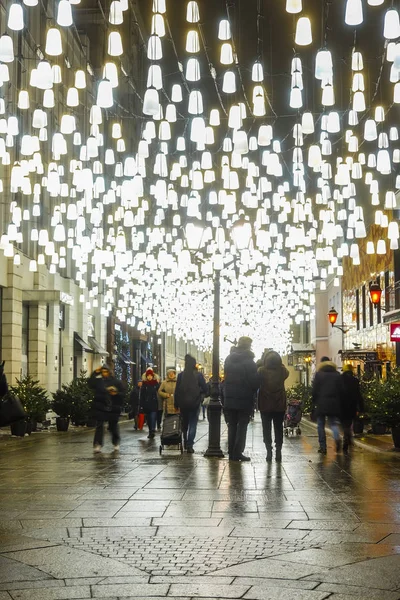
pixel 25 340
pixel 378 308
pixel 358 309
pixel 364 308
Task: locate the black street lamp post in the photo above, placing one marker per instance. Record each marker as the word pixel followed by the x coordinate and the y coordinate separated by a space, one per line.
pixel 215 406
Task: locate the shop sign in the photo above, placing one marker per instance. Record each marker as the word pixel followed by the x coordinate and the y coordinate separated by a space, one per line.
pixel 395 332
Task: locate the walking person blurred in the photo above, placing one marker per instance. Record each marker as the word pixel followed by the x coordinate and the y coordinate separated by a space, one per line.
pixel 107 404
pixel 167 391
pixel 190 385
pixel 149 400
pixel 272 401
pixel 352 404
pixel 240 385
pixel 327 391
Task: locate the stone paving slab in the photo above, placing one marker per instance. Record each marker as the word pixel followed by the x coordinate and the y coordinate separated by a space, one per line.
pixel 122 590
pixel 62 562
pixel 60 593
pixel 141 526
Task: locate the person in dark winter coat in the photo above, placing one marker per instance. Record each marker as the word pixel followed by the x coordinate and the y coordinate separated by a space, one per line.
pixel 272 401
pixel 149 400
pixel 107 404
pixel 352 403
pixel 190 386
pixel 327 391
pixel 3 380
pixel 240 385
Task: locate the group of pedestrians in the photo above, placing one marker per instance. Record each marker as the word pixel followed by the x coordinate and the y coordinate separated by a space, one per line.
pixel 183 393
pixel 243 380
pixel 335 398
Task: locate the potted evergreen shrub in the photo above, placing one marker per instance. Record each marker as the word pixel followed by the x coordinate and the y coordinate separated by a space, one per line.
pixel 35 402
pixel 82 398
pixel 62 406
pixel 390 405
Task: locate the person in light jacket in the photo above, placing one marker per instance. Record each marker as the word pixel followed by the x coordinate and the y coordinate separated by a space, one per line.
pixel 272 401
pixel 167 391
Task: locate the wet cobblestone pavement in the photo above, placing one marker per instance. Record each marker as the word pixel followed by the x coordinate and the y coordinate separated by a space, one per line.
pixel 139 525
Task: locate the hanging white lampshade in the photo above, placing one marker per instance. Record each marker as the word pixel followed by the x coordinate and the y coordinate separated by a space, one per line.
pixel 294 6
pixel 257 73
pixel 370 248
pixel 226 56
pixel 48 99
pixel 215 118
pixel 176 94
pixel 6 49
pixel 354 12
pixel 323 64
pixel 53 42
pixel 328 96
pixel 381 247
pixel 15 17
pixel 116 16
pixel 192 12
pixel 159 6
pixel 151 102
pixel 56 74
pixel 154 48
pixel 192 70
pixel 23 100
pixel 229 82
pixel 114 46
pixel 370 131
pixel 158 25
pixel 307 123
pixel 296 98
pixel 72 97
pixel 64 14
pixel 375 2
pixel 357 63
pixel 333 122
pixel 154 77
pixel 170 113
pixel 379 114
pixel 358 83
pixel 195 106
pixel 192 42
pixel 80 79
pixel 303 35
pixel 224 30
pixel 359 102
pixel 391 29
pixel 110 72
pixel 105 98
pixel 393 134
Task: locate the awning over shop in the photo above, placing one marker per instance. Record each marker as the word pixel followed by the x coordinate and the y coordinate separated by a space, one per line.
pixel 123 358
pixel 96 347
pixel 78 340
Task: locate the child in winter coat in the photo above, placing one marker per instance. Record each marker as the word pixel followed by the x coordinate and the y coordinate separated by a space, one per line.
pixel 149 400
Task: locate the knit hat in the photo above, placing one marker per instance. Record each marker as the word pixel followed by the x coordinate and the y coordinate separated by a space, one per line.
pixel 149 372
pixel 245 342
pixel 325 359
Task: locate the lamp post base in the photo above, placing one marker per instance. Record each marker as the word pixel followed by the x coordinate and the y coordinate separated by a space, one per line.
pixel 214 430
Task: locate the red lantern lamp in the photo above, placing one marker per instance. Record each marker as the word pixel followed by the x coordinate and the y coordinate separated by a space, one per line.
pixel 375 293
pixel 332 316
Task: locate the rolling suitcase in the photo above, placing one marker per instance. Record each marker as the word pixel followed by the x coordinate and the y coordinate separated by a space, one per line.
pixel 171 433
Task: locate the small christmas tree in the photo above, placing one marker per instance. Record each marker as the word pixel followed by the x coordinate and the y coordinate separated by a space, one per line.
pixel 33 398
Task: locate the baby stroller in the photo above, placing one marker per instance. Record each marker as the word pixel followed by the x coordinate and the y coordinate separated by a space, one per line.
pixel 293 417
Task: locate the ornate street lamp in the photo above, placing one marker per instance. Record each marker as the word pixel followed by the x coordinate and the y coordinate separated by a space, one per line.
pixel 332 316
pixel 375 293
